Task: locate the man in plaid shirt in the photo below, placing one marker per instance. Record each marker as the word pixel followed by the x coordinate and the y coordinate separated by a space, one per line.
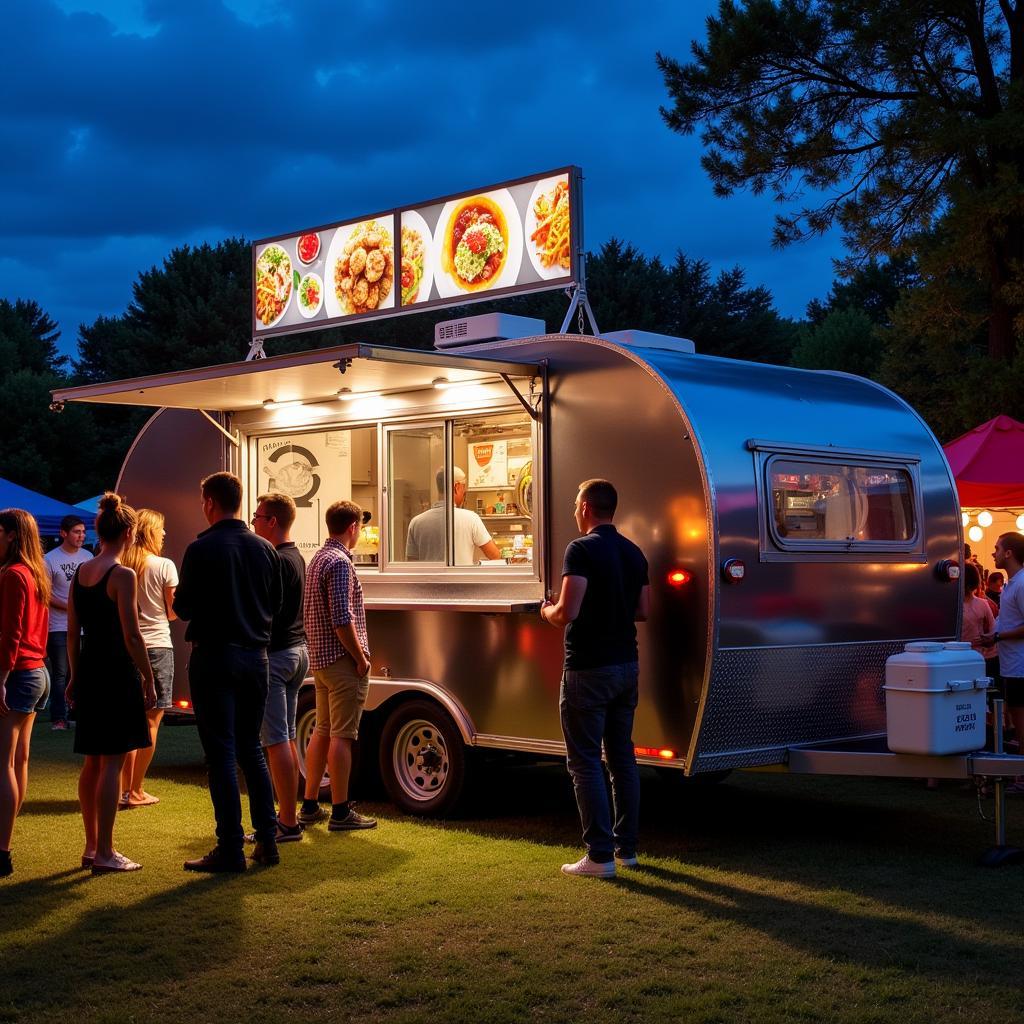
pixel 339 654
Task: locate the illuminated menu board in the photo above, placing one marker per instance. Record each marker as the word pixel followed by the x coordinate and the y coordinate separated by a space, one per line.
pixel 520 236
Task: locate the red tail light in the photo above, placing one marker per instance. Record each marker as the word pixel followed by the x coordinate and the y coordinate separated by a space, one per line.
pixel 184 704
pixel 679 578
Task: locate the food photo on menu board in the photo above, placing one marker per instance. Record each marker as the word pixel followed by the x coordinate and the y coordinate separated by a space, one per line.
pixel 516 237
pixel 361 268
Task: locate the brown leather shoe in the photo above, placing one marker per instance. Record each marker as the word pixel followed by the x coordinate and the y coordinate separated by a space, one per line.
pixel 217 861
pixel 266 854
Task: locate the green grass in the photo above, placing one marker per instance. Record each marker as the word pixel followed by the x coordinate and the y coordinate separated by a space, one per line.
pixel 767 898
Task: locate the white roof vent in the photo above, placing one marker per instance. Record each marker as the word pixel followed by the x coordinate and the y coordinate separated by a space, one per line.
pixel 647 339
pixel 473 330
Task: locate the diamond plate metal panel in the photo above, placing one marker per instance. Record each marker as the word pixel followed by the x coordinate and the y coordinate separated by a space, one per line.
pixel 763 700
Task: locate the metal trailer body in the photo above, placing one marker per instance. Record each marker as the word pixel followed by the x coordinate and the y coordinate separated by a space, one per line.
pixel 733 674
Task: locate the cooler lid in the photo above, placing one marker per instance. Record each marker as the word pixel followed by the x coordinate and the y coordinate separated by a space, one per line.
pixel 923 647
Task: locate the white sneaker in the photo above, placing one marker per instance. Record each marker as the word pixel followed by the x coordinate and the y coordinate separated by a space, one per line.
pixel 590 868
pixel 626 862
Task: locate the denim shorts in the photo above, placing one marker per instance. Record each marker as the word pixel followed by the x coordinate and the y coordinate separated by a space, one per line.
pixel 28 690
pixel 287 670
pixel 162 660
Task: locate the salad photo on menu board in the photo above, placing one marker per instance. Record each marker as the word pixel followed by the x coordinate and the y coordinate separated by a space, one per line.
pixel 479 243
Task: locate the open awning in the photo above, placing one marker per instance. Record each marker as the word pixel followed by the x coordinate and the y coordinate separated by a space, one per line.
pixel 312 376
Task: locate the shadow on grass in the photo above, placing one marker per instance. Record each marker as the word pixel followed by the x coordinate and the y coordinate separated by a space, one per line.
pixel 201 923
pixel 862 938
pixel 881 839
pixel 32 806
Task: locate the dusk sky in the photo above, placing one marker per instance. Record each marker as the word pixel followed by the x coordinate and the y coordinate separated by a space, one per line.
pixel 134 126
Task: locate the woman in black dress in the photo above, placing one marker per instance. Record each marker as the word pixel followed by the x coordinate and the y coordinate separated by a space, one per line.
pixel 106 657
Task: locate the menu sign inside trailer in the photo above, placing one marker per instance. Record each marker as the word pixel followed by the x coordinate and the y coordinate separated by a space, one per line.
pixel 521 236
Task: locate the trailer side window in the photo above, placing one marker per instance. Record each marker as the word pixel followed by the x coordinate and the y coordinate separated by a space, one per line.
pixel 842 503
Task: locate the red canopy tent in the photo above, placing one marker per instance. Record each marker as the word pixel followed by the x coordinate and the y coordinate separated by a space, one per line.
pixel 988 463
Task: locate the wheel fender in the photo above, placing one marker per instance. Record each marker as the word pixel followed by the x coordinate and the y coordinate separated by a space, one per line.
pixel 383 690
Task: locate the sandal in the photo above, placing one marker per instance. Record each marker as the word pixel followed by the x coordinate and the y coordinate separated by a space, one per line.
pixel 147 800
pixel 119 863
pixel 87 861
pixel 125 802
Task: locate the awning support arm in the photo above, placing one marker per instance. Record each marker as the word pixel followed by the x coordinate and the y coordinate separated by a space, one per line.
pixel 233 438
pixel 534 414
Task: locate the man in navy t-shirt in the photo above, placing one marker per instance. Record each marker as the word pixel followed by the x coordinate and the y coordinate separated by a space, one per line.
pixel 605 591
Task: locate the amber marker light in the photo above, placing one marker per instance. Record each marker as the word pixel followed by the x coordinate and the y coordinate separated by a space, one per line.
pixel 679 578
pixel 663 752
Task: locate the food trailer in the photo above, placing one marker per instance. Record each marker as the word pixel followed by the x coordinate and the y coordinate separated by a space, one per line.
pixel 799 527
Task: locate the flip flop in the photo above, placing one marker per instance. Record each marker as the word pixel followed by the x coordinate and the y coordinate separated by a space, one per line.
pixel 119 863
pixel 147 801
pixel 87 861
pixel 123 803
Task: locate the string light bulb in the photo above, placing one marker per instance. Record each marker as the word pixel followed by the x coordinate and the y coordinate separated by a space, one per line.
pixel 985 518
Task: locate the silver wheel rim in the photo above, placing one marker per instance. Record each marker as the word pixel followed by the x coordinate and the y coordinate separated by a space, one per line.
pixel 419 757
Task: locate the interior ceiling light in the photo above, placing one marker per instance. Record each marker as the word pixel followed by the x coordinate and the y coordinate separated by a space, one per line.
pixel 270 403
pixel 345 394
pixel 441 383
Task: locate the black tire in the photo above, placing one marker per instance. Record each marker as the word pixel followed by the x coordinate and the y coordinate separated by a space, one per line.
pixel 423 759
pixel 363 781
pixel 305 722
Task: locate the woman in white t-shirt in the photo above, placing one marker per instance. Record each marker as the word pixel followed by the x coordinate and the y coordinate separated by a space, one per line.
pixel 157 580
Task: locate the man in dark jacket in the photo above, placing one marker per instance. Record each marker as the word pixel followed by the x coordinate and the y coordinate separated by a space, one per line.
pixel 229 592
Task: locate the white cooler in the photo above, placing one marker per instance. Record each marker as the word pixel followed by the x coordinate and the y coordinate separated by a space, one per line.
pixel 935 699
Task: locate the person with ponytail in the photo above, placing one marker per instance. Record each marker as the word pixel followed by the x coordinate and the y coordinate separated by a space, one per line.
pixel 24 682
pixel 107 656
pixel 157 579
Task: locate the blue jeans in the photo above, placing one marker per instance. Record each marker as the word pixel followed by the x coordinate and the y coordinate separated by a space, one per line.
pixel 57 656
pixel 597 704
pixel 229 693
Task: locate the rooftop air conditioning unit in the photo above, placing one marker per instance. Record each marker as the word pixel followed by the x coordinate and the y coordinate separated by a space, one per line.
pixel 647 339
pixel 475 330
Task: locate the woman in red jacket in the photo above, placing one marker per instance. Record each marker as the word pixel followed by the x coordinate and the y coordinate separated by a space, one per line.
pixel 24 682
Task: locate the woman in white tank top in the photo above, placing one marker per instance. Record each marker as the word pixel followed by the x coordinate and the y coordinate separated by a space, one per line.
pixel 158 579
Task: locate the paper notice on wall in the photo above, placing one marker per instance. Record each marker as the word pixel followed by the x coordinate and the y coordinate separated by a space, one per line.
pixel 488 464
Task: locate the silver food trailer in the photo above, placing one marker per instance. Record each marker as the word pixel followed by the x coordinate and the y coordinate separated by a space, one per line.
pixel 800 528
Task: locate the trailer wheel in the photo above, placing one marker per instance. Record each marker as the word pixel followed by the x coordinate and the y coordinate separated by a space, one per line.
pixel 305 723
pixel 422 759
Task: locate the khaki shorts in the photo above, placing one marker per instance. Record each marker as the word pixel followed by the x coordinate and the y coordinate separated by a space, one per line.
pixel 340 696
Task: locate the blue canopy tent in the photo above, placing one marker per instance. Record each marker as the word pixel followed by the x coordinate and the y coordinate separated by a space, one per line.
pixel 48 512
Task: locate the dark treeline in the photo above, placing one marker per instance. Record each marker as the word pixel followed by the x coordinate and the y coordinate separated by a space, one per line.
pixel 194 310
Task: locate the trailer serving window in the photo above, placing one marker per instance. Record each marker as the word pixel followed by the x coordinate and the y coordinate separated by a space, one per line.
pixel 834 503
pixel 460 492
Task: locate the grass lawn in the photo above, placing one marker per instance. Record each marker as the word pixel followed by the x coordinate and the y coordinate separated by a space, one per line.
pixel 767 898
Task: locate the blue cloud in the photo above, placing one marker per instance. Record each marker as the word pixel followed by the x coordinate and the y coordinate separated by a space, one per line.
pixel 135 127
